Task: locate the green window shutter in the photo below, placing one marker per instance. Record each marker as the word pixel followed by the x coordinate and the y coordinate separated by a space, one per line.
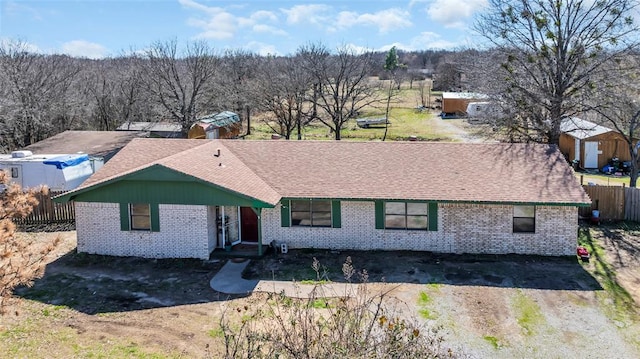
pixel 124 217
pixel 379 215
pixel 285 213
pixel 433 216
pixel 336 216
pixel 155 217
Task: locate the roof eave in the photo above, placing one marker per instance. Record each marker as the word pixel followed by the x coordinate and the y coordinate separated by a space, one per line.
pixel 69 196
pixel 486 202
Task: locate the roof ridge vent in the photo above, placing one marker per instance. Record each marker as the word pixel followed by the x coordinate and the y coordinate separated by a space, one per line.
pixel 21 154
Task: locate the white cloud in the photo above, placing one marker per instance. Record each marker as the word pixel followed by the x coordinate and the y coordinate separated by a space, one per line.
pixel 454 13
pixel 356 49
pixel 264 15
pixel 385 20
pixel 397 45
pixel 81 48
pixel 262 48
pixel 19 45
pixel 220 24
pixel 216 24
pixel 13 7
pixel 426 40
pixel 431 40
pixel 267 29
pixel 310 14
pixel 412 3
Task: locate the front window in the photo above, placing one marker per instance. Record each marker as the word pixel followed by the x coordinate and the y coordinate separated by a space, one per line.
pixel 524 219
pixel 406 215
pixel 140 214
pixel 311 213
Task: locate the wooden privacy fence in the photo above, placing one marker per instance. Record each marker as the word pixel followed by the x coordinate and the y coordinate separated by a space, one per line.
pixel 48 211
pixel 632 204
pixel 614 202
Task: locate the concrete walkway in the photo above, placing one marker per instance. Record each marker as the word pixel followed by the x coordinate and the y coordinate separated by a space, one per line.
pixel 229 280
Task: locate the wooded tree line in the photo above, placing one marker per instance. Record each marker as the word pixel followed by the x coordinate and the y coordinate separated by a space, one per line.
pixel 543 60
pixel 41 95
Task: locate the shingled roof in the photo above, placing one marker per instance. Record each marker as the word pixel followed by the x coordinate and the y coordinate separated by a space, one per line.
pixel 581 129
pixel 429 171
pixel 94 143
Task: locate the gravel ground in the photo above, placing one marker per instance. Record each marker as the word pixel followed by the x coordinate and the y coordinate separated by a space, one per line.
pixel 486 306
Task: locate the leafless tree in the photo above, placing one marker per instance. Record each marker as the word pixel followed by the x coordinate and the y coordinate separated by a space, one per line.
pixel 235 85
pixel 21 260
pixel 283 91
pixel 448 76
pixel 178 80
pixel 342 86
pixel 114 90
pixel 34 89
pixel 551 51
pixel 617 102
pixel 100 88
pixel 356 324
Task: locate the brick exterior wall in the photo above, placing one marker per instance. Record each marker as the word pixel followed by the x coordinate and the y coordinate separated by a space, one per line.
pixel 183 232
pixel 462 228
pixel 187 231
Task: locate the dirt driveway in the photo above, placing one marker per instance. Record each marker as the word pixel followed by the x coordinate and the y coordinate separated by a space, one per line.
pixel 487 306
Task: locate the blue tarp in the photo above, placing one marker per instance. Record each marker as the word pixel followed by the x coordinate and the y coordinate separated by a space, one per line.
pixel 66 160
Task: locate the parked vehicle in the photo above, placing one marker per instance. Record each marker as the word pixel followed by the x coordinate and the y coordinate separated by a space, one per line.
pixel 370 122
pixel 59 172
pixel 617 166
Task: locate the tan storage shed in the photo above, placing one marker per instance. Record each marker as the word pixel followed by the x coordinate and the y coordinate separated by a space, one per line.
pixel 592 144
pixel 225 124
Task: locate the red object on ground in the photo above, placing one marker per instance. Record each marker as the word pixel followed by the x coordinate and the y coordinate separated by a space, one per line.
pixel 583 252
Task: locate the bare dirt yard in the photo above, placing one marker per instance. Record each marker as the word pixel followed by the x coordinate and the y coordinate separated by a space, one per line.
pixel 486 306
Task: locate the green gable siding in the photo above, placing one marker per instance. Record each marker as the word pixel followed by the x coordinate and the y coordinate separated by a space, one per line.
pixel 158 184
pixel 162 185
pixel 166 192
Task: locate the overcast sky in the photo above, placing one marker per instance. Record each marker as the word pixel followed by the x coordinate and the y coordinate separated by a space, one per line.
pixel 101 28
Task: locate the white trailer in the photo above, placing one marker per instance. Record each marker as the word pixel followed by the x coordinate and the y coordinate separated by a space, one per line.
pixel 484 112
pixel 59 172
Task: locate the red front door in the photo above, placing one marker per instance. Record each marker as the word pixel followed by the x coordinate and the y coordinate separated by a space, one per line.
pixel 249 224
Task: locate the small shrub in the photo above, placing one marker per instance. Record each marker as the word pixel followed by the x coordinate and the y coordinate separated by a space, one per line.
pixel 357 326
pixel 21 260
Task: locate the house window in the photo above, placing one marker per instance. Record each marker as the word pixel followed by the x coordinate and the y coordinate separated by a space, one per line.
pixel 406 215
pixel 311 213
pixel 140 216
pixel 524 219
pixel 15 172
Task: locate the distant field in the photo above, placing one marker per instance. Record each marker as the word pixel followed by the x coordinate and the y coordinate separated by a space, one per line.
pixel 405 121
pixel 603 180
